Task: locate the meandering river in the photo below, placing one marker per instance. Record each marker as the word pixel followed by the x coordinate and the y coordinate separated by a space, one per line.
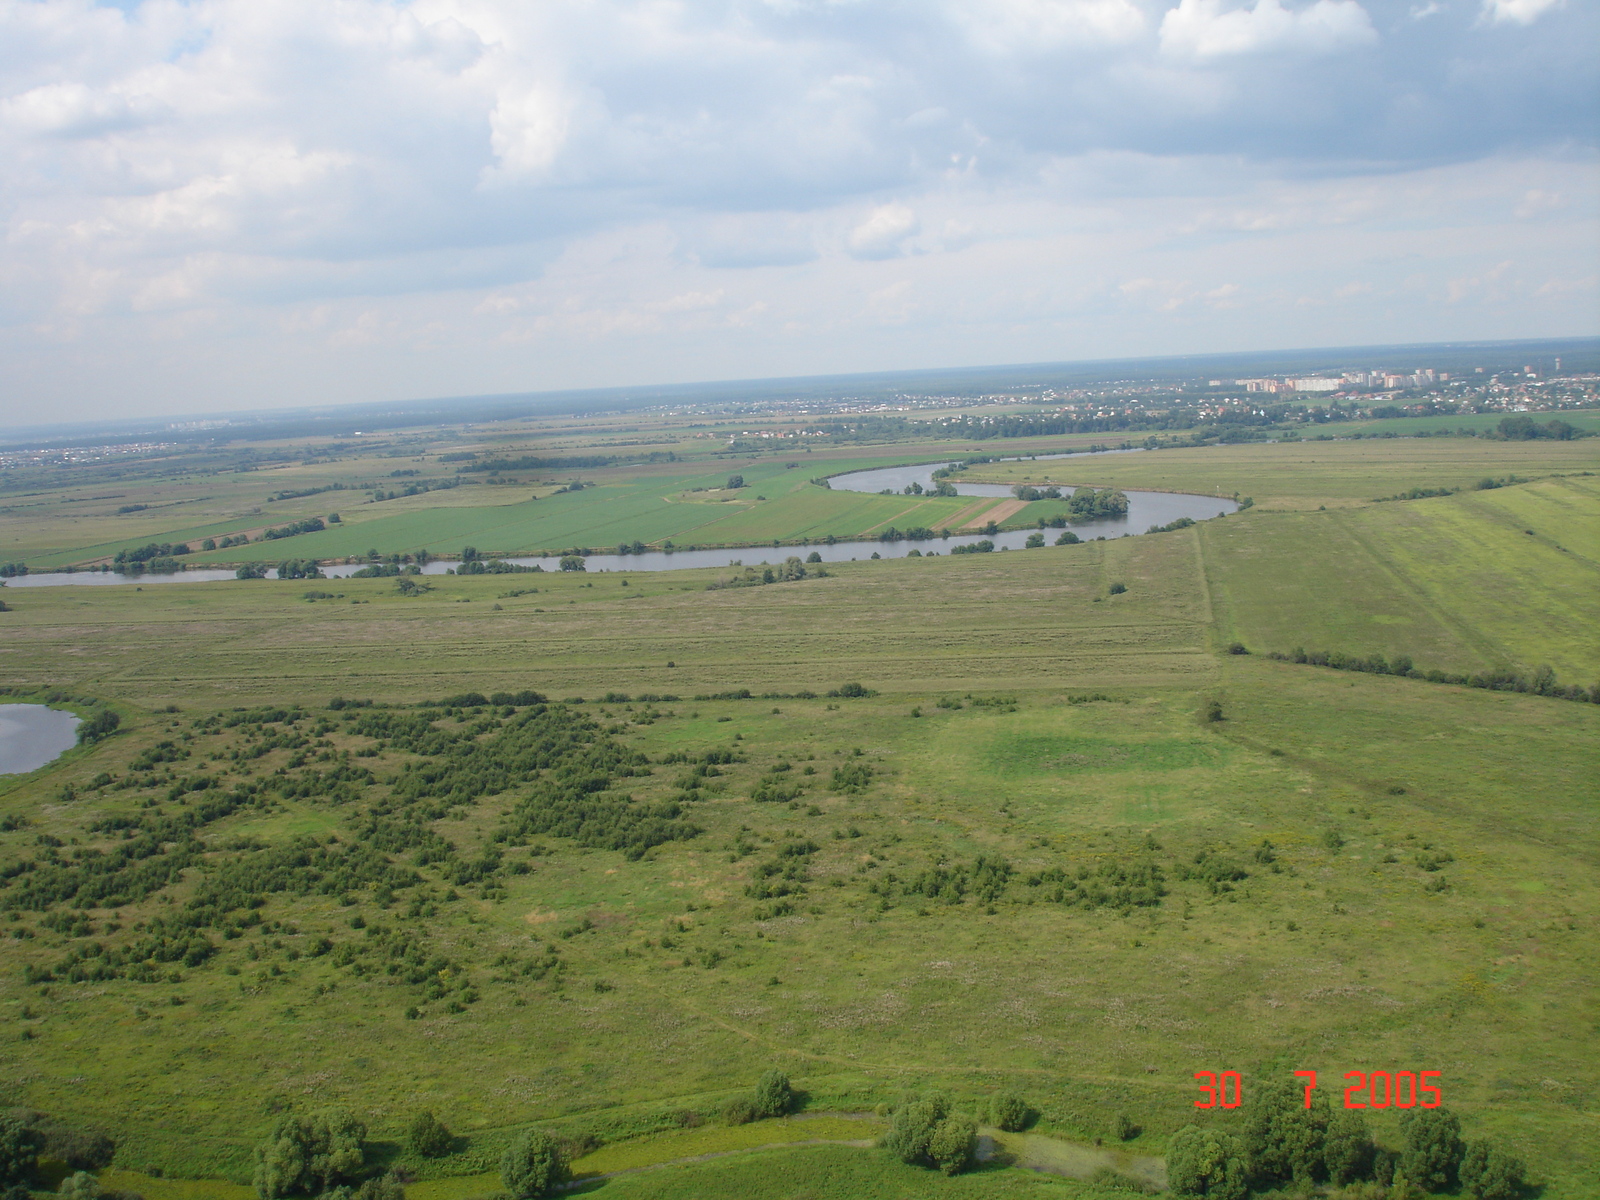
pixel 1144 510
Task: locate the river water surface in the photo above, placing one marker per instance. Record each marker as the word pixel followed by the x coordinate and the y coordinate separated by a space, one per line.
pixel 1144 510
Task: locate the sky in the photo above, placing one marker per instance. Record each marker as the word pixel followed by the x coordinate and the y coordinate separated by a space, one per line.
pixel 218 205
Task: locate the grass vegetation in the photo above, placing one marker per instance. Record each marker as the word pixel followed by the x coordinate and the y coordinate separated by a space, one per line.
pixel 1019 859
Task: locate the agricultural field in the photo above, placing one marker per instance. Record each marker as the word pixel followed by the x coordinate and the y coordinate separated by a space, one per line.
pixel 593 852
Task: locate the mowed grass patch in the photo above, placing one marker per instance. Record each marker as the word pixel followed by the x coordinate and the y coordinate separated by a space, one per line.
pixel 1000 620
pixel 833 1173
pixel 1305 474
pixel 1459 583
pixel 1042 754
pixel 724 1139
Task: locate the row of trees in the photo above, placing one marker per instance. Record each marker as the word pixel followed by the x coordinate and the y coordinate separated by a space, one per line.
pixel 1284 1142
pixel 1542 682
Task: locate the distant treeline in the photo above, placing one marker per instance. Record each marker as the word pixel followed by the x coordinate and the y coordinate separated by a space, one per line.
pixel 1542 682
pixel 578 462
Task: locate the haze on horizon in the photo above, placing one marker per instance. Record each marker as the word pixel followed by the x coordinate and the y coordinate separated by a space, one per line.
pixel 218 206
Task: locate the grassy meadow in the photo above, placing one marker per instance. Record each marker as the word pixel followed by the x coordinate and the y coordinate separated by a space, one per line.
pixel 1353 871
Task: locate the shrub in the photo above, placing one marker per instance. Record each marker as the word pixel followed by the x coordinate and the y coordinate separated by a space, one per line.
pixel 774 1096
pixel 1123 1128
pixel 102 725
pixel 1009 1111
pixel 1214 711
pixel 1283 1138
pixel 1206 1162
pixel 428 1136
pixel 739 1110
pixel 1116 589
pixel 1347 1150
pixel 1433 1149
pixel 19 1150
pixel 533 1166
pixel 80 1186
pixel 953 1147
pixel 1489 1173
pixel 912 1127
pixel 309 1154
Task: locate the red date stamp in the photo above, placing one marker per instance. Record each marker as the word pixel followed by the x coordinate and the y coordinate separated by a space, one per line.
pixel 1367 1089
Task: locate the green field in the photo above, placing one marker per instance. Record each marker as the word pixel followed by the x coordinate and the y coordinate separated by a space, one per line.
pixel 1428 900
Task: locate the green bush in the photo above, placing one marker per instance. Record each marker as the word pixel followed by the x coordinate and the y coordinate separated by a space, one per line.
pixel 774 1096
pixel 953 1147
pixel 533 1166
pixel 739 1110
pixel 1489 1173
pixel 1009 1111
pixel 1282 1137
pixel 912 1126
pixel 1206 1162
pixel 309 1154
pixel 1347 1149
pixel 428 1137
pixel 1433 1148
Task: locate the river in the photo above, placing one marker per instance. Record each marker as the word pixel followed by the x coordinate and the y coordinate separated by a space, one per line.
pixel 1144 510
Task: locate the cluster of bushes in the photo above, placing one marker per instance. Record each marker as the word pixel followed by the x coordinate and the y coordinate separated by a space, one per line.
pixel 289 568
pixel 309 525
pixel 983 547
pixel 1088 504
pixel 101 725
pixel 1542 682
pixel 1284 1142
pixel 790 570
pixel 1172 526
pixel 918 533
pixel 1526 429
pixel 153 556
pixel 27 1136
pixel 12 570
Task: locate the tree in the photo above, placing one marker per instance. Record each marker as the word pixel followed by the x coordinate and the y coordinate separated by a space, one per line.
pixel 1433 1147
pixel 573 562
pixel 80 1186
pixel 1205 1162
pixel 385 1187
pixel 1347 1149
pixel 773 1095
pixel 533 1166
pixel 102 725
pixel 428 1136
pixel 912 1127
pixel 19 1150
pixel 309 1154
pixel 1009 1111
pixel 1489 1173
pixel 1283 1138
pixel 953 1147
pixel 1068 539
pixel 814 557
pixel 735 482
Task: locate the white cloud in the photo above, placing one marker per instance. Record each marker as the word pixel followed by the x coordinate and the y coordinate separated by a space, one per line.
pixel 1518 12
pixel 1205 29
pixel 883 233
pixel 177 172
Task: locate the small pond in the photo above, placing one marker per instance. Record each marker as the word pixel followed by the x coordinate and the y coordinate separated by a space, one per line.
pixel 32 735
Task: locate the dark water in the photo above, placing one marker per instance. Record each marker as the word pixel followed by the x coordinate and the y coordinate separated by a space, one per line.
pixel 1144 510
pixel 32 735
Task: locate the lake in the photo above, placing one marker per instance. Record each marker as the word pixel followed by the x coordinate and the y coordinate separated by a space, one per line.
pixel 32 735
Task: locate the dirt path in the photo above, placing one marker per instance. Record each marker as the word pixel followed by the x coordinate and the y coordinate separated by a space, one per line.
pixel 998 513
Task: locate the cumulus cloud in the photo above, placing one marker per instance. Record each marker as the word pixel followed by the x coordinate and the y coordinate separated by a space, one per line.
pixel 883 233
pixel 1205 29
pixel 1518 12
pixel 173 163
